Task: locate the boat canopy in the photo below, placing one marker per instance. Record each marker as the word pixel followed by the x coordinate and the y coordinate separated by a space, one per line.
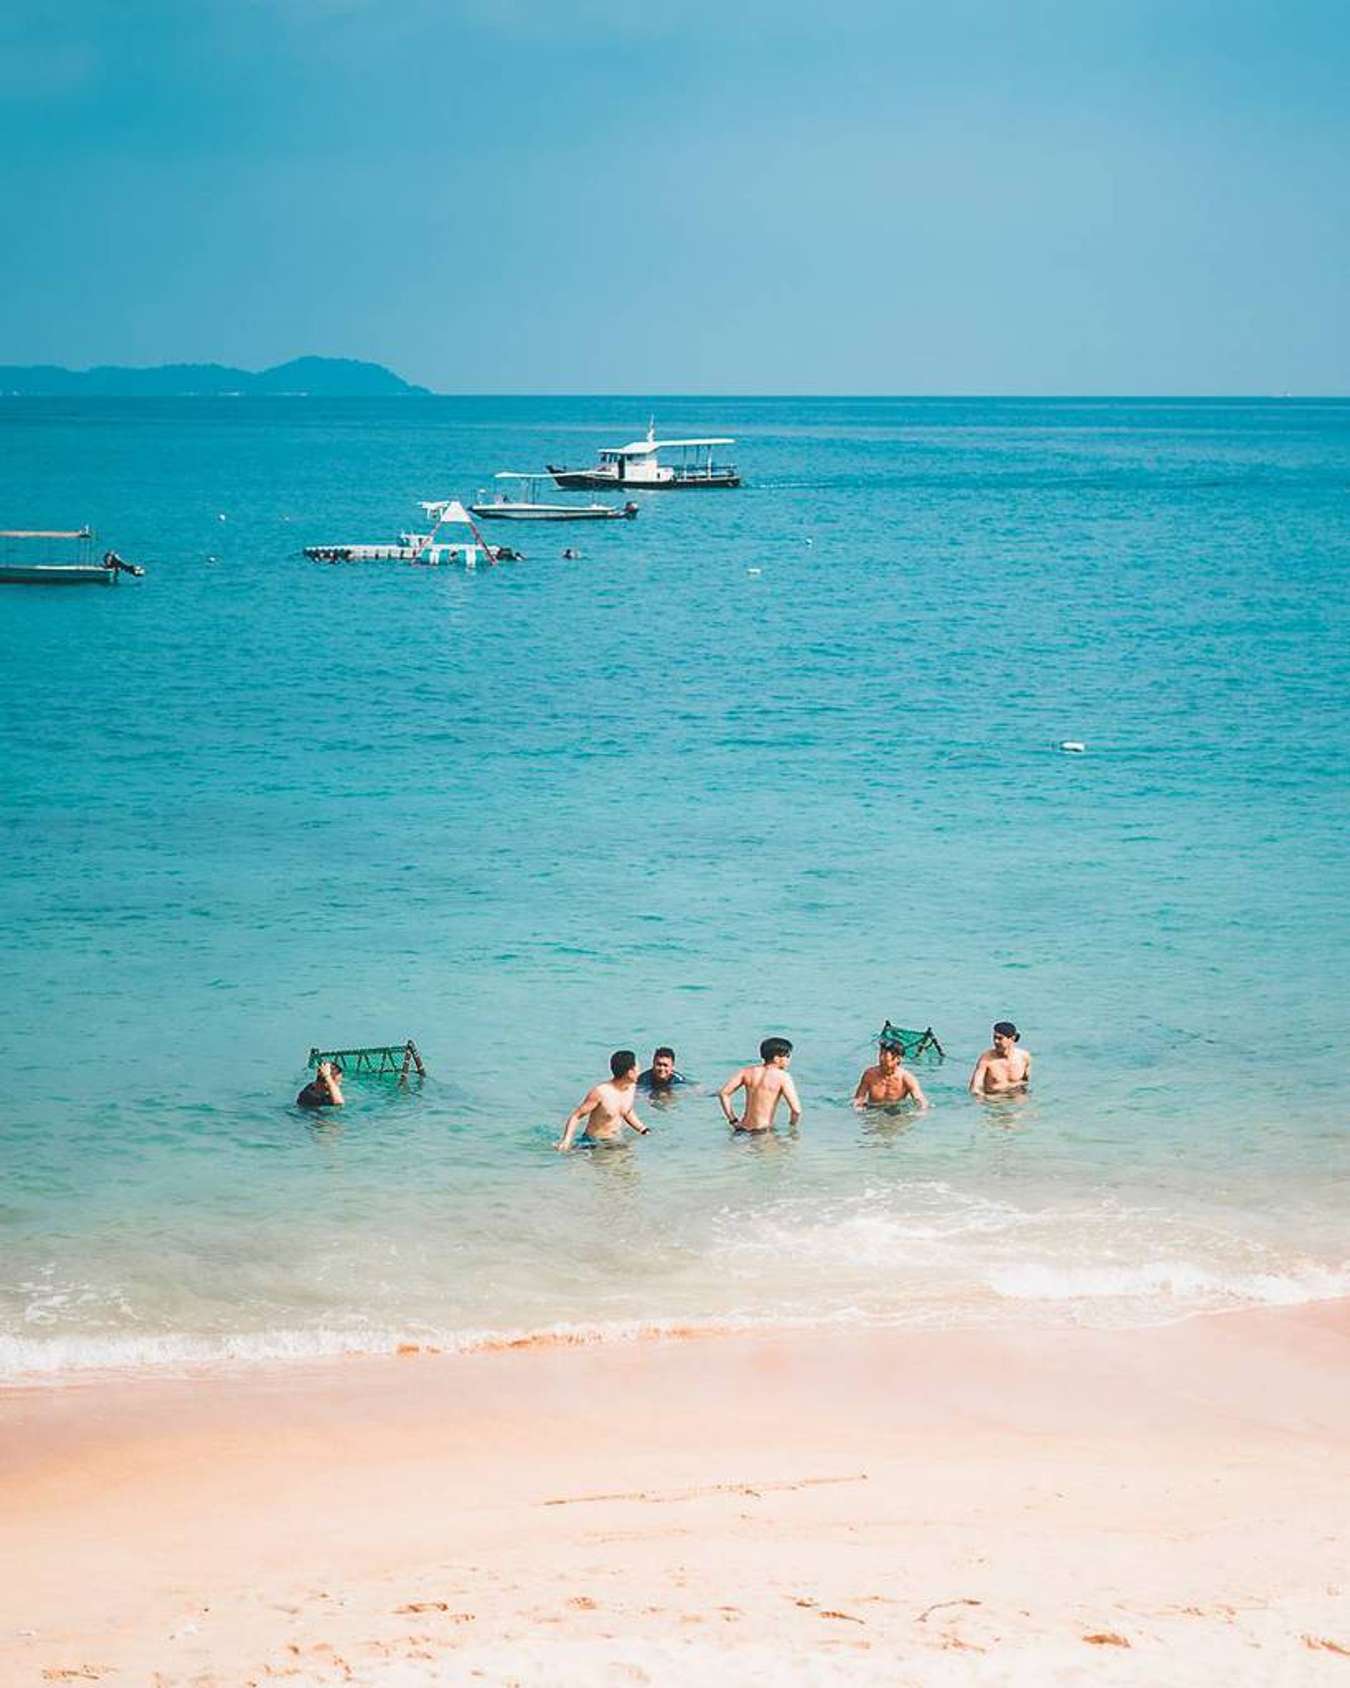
pixel 640 448
pixel 45 533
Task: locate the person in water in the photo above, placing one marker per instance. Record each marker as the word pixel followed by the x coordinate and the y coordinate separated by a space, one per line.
pixel 888 1081
pixel 1003 1067
pixel 763 1085
pixel 606 1107
pixel 324 1090
pixel 661 1078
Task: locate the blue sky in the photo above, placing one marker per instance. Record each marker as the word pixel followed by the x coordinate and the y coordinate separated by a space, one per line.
pixel 1033 196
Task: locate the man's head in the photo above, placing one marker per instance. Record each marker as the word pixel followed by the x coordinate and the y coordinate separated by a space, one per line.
pixel 623 1063
pixel 663 1064
pixel 1005 1036
pixel 775 1052
pixel 888 1056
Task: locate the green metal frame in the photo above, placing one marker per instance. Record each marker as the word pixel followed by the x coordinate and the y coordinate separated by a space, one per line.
pixel 373 1058
pixel 912 1044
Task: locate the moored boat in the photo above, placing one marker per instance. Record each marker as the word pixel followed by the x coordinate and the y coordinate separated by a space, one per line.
pixel 638 466
pixel 531 508
pixel 41 557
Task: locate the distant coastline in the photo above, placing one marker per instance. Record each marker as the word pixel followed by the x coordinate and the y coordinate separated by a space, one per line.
pixel 300 377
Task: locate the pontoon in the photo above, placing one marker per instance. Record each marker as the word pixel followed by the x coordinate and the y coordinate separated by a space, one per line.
pixel 37 557
pixel 429 549
pixel 636 465
pixel 530 509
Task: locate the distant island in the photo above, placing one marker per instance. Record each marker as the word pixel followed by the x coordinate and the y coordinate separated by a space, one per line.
pixel 301 377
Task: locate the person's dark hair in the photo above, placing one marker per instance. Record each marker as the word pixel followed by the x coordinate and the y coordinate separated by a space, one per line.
pixel 622 1061
pixel 665 1050
pixel 772 1046
pixel 1005 1028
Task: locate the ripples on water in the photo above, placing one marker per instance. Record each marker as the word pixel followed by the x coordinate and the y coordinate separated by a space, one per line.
pixel 252 804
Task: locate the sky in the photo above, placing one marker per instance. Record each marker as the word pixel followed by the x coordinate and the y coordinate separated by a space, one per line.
pixel 544 196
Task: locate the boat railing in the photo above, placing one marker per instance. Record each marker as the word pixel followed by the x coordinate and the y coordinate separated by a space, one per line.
pixel 703 471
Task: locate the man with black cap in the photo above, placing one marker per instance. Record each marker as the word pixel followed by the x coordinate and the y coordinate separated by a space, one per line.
pixel 1005 1066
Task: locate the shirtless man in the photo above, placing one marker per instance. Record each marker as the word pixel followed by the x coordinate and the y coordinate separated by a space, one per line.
pixel 324 1090
pixel 606 1107
pixel 888 1081
pixel 763 1085
pixel 1004 1067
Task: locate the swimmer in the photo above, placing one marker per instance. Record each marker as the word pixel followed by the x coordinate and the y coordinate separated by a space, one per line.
pixel 606 1107
pixel 324 1090
pixel 763 1085
pixel 888 1081
pixel 661 1078
pixel 1005 1066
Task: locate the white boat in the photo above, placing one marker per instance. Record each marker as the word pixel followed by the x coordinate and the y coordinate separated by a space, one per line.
pixel 429 549
pixel 530 508
pixel 38 557
pixel 638 465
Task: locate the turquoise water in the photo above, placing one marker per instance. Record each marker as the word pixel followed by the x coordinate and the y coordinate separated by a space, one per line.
pixel 526 816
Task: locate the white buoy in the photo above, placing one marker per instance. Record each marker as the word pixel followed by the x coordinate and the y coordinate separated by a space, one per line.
pixel 754 571
pixel 1073 745
pixel 220 515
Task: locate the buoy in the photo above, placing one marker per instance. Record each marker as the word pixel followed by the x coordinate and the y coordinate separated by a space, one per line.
pixel 754 571
pixel 1076 746
pixel 220 515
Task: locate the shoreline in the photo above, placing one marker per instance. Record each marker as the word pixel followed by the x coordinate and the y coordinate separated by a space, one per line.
pixel 285 1355
pixel 1020 1504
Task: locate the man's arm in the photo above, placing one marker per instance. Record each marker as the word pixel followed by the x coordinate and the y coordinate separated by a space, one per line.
pixel 574 1119
pixel 915 1089
pixel 728 1090
pixel 976 1085
pixel 793 1101
pixel 630 1118
pixel 861 1094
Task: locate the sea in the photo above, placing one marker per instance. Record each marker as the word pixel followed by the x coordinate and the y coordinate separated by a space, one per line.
pixel 781 760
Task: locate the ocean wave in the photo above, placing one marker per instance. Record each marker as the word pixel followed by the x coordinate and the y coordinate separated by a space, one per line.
pixel 1178 1280
pixel 29 1360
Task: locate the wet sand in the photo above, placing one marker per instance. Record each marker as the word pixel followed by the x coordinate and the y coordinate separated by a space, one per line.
pixel 1164 1506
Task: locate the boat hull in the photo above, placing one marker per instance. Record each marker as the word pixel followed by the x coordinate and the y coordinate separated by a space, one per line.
pixel 57 574
pixel 592 480
pixel 550 512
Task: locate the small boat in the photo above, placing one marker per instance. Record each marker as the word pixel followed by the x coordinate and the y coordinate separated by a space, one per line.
pixel 47 563
pixel 637 465
pixel 428 549
pixel 531 509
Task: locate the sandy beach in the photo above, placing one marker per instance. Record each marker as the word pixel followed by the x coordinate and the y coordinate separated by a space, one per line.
pixel 1154 1506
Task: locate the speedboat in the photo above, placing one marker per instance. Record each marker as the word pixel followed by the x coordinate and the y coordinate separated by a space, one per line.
pixel 637 465
pixel 530 509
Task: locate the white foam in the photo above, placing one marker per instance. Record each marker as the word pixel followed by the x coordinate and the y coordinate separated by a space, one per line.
pixel 27 1360
pixel 1178 1280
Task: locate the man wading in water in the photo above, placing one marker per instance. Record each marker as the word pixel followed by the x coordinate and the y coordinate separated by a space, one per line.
pixel 606 1107
pixel 1004 1067
pixel 888 1081
pixel 763 1085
